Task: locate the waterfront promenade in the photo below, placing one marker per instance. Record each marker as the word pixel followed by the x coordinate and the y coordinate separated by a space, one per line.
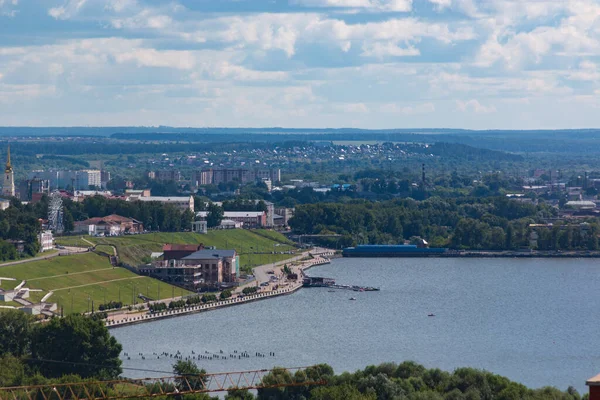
pixel 277 288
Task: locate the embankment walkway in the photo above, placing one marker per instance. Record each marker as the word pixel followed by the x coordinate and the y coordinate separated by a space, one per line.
pixel 125 319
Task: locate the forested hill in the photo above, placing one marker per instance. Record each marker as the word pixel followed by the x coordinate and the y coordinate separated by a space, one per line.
pixel 520 141
pixel 464 152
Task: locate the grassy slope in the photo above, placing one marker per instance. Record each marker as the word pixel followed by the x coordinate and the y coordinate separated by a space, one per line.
pixel 132 249
pixel 61 273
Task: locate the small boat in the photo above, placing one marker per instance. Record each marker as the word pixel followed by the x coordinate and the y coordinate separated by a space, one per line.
pixel 331 291
pixel 352 298
pixel 431 315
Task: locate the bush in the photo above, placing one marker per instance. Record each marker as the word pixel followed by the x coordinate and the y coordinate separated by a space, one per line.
pixel 250 290
pixel 177 304
pixel 158 307
pixel 112 305
pixel 208 298
pixel 225 294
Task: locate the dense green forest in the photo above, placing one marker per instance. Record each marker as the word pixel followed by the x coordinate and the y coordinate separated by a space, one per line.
pixel 493 223
pixel 77 348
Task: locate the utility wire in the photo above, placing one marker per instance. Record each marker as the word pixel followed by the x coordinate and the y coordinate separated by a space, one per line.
pixel 99 365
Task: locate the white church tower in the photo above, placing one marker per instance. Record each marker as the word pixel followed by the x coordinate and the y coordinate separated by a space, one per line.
pixel 8 189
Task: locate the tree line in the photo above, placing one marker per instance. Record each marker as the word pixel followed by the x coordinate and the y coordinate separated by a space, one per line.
pixel 492 223
pixel 20 222
pixel 77 348
pixel 153 215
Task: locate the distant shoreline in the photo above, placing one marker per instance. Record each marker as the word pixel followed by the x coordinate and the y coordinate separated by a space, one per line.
pixel 488 254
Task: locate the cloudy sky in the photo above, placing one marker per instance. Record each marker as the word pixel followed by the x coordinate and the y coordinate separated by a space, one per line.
pixel 479 64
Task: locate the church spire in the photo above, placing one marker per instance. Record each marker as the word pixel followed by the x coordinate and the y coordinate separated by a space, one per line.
pixel 8 166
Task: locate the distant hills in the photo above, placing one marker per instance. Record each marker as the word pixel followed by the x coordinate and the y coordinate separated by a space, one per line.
pixel 516 141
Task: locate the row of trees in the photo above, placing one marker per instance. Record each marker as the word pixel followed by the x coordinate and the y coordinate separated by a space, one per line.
pixel 75 344
pixel 20 222
pixel 75 347
pixel 390 381
pixel 494 223
pixel 154 215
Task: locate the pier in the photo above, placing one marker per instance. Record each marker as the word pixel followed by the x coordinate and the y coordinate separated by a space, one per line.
pixel 317 281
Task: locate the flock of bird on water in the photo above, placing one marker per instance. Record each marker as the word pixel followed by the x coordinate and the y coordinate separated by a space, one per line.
pixel 198 356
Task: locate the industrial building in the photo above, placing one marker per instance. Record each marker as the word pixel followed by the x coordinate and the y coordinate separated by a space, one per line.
pixel 250 219
pixel 182 203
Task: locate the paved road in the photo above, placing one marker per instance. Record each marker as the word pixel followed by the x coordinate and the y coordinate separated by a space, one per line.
pixel 260 272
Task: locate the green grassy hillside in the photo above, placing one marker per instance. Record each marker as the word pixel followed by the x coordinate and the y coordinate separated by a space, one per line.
pixel 74 279
pixel 251 245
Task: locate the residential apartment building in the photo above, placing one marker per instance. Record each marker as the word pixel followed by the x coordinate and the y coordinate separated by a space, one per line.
pixel 104 179
pixel 168 175
pixel 31 186
pixel 242 175
pixel 60 179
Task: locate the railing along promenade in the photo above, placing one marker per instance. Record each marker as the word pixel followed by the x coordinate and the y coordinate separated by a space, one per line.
pixel 135 319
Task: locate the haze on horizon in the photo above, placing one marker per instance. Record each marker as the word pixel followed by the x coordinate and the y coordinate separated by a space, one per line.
pixel 473 64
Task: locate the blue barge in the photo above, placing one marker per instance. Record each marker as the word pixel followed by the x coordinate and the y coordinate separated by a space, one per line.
pixel 401 250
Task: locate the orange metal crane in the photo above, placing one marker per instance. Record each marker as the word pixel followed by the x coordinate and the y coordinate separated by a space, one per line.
pixel 168 386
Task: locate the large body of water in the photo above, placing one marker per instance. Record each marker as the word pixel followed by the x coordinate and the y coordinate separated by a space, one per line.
pixel 532 320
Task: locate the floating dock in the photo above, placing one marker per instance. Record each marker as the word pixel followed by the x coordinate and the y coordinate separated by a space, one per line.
pixel 317 281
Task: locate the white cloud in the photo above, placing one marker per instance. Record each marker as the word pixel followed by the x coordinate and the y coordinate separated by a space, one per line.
pixel 475 106
pixel 352 108
pixel 145 57
pixel 441 4
pixel 119 6
pixel 68 10
pixel 144 19
pixel 425 108
pixel 20 93
pixel 588 71
pixel 7 8
pixel 382 49
pixel 576 33
pixel 373 5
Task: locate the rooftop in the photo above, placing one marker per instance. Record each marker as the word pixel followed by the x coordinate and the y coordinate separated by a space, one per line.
pixel 234 214
pixel 182 247
pixel 594 381
pixel 164 199
pixel 209 254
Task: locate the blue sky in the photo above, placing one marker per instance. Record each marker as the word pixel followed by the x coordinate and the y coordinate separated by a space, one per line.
pixel 489 64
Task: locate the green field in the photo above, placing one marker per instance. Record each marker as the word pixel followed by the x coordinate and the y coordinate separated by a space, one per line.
pixel 77 278
pixel 135 249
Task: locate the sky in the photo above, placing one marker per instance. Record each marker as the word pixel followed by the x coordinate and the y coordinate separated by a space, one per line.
pixel 474 64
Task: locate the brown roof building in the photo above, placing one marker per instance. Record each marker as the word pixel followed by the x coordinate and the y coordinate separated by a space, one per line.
pixel 110 225
pixel 178 251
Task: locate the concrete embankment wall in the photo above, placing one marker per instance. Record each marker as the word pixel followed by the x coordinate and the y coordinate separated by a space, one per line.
pixel 213 306
pixel 199 308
